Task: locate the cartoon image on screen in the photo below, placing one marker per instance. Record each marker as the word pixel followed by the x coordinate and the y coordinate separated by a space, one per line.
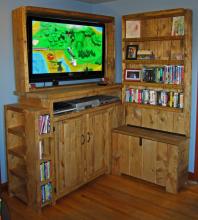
pixel 64 48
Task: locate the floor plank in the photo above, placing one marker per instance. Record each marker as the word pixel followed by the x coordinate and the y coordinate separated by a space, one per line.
pixel 116 198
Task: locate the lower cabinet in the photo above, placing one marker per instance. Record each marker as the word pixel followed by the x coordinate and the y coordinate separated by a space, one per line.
pixel 154 156
pixel 82 147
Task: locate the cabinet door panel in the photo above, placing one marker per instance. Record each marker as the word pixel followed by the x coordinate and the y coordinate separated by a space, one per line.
pixel 96 134
pixel 161 163
pixel 69 154
pixel 124 146
pixel 135 154
pixel 149 164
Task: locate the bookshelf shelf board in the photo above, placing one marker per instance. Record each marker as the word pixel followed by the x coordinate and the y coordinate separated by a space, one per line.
pixel 18 151
pixel 155 62
pixel 46 181
pixel 48 135
pixel 48 202
pixel 161 38
pixel 45 159
pixel 20 193
pixel 19 131
pixel 19 171
pixel 154 85
pixel 156 107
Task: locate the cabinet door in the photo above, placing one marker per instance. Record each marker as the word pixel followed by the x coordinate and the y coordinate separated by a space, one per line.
pixel 70 141
pixel 154 157
pixel 97 142
pixel 130 156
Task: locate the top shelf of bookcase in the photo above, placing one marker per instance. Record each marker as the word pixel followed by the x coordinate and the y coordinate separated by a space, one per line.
pixel 159 38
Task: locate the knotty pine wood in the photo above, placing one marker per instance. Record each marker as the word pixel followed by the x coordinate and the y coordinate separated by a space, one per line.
pixel 154 156
pixel 156 27
pixel 115 197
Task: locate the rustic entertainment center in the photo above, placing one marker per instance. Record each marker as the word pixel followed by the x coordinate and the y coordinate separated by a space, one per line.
pixel 49 155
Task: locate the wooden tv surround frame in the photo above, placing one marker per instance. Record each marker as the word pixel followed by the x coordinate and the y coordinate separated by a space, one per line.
pixel 77 147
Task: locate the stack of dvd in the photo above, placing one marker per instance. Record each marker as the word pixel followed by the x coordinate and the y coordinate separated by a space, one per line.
pixel 155 97
pixel 169 74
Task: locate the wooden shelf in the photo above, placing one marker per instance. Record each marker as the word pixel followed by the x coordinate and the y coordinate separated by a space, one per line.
pixel 19 131
pixel 160 38
pixel 21 193
pixel 20 172
pixel 161 136
pixel 45 181
pixel 154 62
pixel 154 85
pixel 48 202
pixel 156 107
pixel 18 151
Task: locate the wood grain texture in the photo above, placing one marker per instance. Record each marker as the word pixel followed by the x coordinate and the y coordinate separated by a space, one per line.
pixel 154 156
pixel 115 197
pixel 156 35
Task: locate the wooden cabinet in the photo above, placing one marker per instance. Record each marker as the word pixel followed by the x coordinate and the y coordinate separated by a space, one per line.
pixel 164 63
pixel 154 156
pixel 83 147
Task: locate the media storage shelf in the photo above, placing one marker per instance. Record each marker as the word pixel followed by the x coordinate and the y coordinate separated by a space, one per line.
pixel 154 62
pixel 153 85
pixel 162 38
pixel 154 107
pixel 18 151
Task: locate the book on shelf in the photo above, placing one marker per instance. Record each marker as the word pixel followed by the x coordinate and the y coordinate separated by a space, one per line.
pixel 44 124
pixel 155 97
pixel 46 192
pixel 45 171
pixel 168 74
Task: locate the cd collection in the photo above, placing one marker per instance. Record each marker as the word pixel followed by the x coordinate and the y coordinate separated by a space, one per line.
pixel 45 171
pixel 46 191
pixel 44 124
pixel 154 97
pixel 169 74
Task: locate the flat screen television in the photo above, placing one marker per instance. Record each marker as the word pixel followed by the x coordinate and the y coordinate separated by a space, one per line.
pixel 62 49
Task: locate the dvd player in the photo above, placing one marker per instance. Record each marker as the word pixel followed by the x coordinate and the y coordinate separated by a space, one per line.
pixel 83 103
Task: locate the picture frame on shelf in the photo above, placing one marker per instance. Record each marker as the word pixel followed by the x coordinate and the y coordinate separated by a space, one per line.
pixel 131 52
pixel 133 28
pixel 133 75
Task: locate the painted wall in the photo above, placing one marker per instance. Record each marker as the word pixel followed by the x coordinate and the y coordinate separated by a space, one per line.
pixel 124 7
pixel 7 80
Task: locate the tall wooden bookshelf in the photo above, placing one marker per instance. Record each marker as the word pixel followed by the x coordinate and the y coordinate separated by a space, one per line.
pixel 169 50
pixel 156 93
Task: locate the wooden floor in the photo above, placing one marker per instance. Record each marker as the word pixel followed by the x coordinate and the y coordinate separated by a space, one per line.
pixel 116 198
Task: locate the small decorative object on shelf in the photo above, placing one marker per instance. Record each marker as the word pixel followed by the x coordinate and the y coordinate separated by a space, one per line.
pixel 132 29
pixel 131 52
pixel 133 74
pixel 178 26
pixel 145 55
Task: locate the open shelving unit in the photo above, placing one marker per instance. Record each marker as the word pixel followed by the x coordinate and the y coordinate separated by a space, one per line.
pixel 156 35
pixel 23 154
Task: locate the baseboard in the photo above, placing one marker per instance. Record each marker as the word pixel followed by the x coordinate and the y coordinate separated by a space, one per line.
pixel 4 187
pixel 192 176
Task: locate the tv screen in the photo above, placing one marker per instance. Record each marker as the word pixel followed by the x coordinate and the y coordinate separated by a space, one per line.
pixel 64 49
